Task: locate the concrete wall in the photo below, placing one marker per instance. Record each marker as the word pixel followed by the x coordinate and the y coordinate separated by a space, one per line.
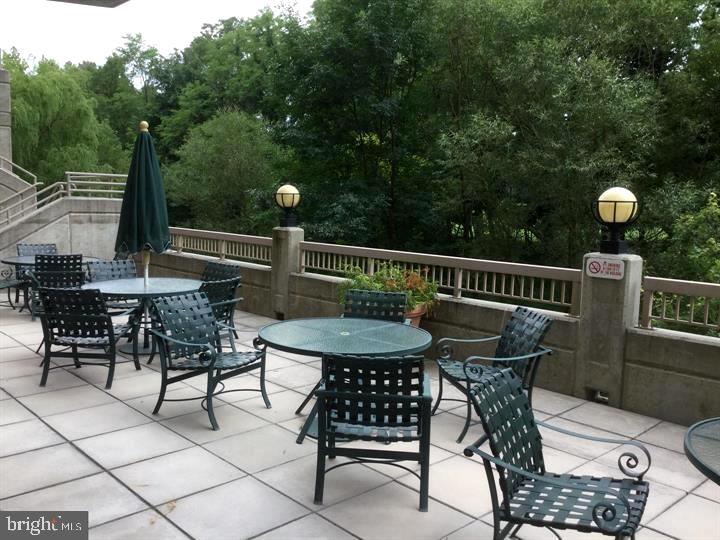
pixel 5 120
pixel 76 225
pixel 255 283
pixel 672 375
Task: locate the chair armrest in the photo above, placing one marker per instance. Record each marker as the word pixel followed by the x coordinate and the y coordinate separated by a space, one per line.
pixel 604 513
pixel 226 302
pixel 445 348
pixel 205 346
pixel 627 460
pixel 473 370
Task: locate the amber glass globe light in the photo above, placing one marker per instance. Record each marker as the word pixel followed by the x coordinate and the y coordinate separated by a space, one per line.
pixel 617 205
pixel 287 197
pixel 615 209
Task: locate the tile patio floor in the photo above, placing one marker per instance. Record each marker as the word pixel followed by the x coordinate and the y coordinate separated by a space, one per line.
pixel 75 446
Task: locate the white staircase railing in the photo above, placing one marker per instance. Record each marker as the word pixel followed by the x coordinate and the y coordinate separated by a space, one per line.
pixel 17 170
pixel 96 185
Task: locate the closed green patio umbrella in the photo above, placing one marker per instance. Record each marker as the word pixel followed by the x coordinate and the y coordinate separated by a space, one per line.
pixel 143 218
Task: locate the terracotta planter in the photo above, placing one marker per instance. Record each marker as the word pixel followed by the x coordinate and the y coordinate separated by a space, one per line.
pixel 416 314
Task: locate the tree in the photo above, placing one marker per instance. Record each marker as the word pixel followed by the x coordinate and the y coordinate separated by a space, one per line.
pixel 224 172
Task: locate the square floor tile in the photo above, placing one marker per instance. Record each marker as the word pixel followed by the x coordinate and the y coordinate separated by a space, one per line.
pixel 477 530
pixel 239 509
pixel 459 482
pixel 709 490
pixel 296 479
pixel 26 386
pixel 294 376
pixel 666 435
pixel 197 427
pixel 12 354
pixel 20 368
pixel 283 406
pixel 311 527
pixel 575 445
pixel 98 376
pixel 95 420
pixel 41 468
pixel 169 409
pixel 28 435
pixel 398 505
pixel 11 411
pixel 147 525
pixel 611 419
pixel 693 518
pixel 164 478
pixel 132 444
pixel 260 448
pixel 146 384
pixel 66 400
pixel 101 495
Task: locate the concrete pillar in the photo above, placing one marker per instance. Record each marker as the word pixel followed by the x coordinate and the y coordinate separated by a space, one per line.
pixel 285 260
pixel 5 124
pixel 610 306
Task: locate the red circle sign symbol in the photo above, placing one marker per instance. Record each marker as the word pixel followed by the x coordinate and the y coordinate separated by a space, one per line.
pixel 594 267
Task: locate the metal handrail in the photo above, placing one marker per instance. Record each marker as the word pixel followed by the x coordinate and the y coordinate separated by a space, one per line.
pixel 20 194
pixel 14 166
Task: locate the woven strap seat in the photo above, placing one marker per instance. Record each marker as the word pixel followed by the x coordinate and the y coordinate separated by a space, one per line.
pixel 228 360
pixel 120 330
pixel 566 507
pixel 375 432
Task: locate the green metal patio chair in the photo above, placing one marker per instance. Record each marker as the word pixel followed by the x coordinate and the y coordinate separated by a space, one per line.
pixel 78 319
pixel 529 494
pixel 362 304
pixel 8 281
pixel 188 338
pixel 22 271
pixel 374 399
pixel 386 306
pixel 518 347
pixel 222 296
pixel 219 271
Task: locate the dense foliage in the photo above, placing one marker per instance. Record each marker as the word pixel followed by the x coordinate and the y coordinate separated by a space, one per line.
pixel 481 128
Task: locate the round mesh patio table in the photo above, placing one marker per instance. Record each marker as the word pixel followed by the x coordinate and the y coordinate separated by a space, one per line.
pixel 338 335
pixel 135 289
pixel 702 447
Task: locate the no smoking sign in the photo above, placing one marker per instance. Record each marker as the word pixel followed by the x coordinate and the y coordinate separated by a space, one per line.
pixel 600 267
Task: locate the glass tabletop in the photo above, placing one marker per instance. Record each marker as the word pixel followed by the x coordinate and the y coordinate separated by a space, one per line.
pixel 339 335
pixel 29 260
pixel 135 287
pixel 702 447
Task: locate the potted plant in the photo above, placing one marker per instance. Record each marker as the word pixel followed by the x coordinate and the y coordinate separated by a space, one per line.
pixel 420 290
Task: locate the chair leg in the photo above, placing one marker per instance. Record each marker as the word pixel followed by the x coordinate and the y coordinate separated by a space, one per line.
pixel 425 462
pixel 46 366
pixel 211 383
pixel 319 476
pixel 136 358
pixel 163 387
pixel 468 417
pixel 440 391
pixel 111 369
pixel 263 390
pixel 76 358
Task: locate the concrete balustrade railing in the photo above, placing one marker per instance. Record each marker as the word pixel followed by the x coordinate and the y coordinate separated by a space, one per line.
pixel 683 303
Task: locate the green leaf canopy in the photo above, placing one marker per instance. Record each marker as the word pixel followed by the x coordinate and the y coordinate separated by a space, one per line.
pixel 144 217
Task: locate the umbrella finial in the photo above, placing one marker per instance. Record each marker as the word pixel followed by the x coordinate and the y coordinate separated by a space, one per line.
pixel 144 126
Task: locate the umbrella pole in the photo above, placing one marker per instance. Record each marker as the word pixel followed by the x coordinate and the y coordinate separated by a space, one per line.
pixel 146 265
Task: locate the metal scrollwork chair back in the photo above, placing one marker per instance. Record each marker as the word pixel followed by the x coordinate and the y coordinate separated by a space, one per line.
pixel 218 271
pixel 187 337
pixel 374 399
pixel 518 347
pixel 78 319
pixel 387 306
pixel 529 494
